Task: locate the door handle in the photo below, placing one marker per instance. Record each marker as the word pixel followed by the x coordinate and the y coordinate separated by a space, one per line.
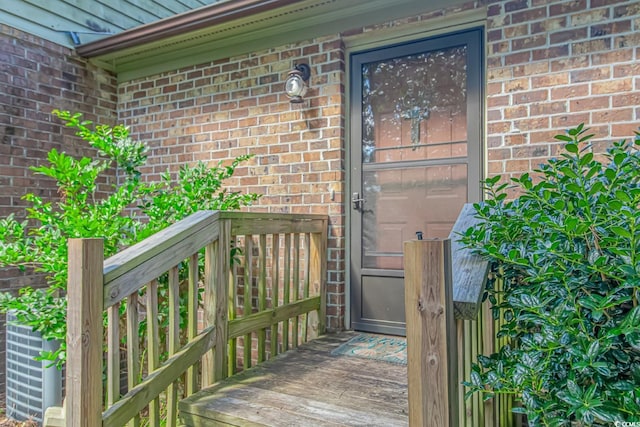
pixel 357 201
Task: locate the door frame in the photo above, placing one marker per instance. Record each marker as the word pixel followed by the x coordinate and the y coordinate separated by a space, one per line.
pixel 465 21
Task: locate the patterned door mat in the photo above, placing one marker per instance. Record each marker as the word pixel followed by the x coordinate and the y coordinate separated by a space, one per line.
pixel 378 347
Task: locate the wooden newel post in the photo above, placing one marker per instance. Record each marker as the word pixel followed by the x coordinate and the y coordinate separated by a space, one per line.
pixel 84 333
pixel 431 334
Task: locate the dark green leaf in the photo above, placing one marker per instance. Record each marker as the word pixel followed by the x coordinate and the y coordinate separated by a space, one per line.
pixel 621 231
pixel 563 138
pixel 572 148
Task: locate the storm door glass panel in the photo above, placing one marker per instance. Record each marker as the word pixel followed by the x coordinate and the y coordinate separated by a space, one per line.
pixel 414 151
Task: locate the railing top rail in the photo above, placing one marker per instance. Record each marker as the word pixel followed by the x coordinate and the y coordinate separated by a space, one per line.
pixel 270 216
pixel 469 269
pixel 130 269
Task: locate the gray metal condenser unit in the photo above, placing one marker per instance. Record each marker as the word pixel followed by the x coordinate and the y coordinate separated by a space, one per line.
pixel 32 386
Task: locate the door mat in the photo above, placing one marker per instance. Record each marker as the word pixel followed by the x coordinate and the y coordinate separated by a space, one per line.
pixel 378 347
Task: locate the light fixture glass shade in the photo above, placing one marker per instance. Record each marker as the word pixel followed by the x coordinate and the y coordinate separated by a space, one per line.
pixel 295 87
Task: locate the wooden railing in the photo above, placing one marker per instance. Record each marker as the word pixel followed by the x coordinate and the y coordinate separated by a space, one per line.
pixel 447 327
pixel 264 291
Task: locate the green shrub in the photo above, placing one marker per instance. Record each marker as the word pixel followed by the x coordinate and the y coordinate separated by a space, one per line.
pixel 567 251
pixel 81 211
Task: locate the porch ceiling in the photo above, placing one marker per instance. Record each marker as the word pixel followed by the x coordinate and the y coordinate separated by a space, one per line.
pixel 239 27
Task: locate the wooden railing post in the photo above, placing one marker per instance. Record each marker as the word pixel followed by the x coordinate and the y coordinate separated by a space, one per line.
pixel 216 288
pixel 431 334
pixel 84 333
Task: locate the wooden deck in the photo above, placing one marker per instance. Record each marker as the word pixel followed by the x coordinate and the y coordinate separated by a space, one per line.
pixel 306 386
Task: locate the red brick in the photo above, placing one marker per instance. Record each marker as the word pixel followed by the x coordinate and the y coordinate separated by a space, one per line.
pixel 529 14
pixel 494 35
pixel 612 116
pixel 515 139
pixel 548 25
pixel 494 9
pixel 600 3
pixel 499 154
pixel 591 46
pixel 519 166
pixel 531 151
pixel 548 108
pixel 550 80
pixel 517 58
pixel 611 86
pixel 567 7
pixel 516 31
pixel 515 112
pixel 566 121
pixel 590 75
pixel 589 104
pixel 572 62
pixel 495 168
pixel 624 130
pixel 531 96
pixel 516 85
pixel 568 35
pixel 550 53
pixel 590 16
pixel 627 40
pixel 542 137
pixel 533 68
pixel 613 57
pixel 625 99
pixel 533 123
pixel 626 10
pixel 573 91
pixel 529 42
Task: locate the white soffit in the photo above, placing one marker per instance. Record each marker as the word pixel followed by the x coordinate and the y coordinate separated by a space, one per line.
pixel 288 24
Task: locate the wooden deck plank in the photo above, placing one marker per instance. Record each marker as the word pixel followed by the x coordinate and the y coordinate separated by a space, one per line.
pixel 306 386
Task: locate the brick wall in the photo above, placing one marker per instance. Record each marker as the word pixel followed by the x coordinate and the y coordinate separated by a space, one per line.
pixel 35 77
pixel 220 110
pixel 552 65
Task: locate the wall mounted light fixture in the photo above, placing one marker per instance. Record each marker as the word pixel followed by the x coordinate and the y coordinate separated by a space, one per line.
pixel 296 84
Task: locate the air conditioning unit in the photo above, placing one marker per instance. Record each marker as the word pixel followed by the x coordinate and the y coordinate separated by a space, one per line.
pixel 32 386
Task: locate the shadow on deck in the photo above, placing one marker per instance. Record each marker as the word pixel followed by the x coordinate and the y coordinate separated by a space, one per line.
pixel 306 386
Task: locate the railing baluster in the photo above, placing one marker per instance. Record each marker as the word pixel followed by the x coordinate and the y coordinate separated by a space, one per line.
pixel 305 293
pixel 133 348
pixel 262 294
pixel 192 320
pixel 275 288
pixel 318 276
pixel 210 254
pixel 113 354
pixel 248 286
pixel 296 286
pixel 153 346
pixel 286 288
pixel 462 408
pixel 468 360
pixel 174 342
pixel 232 307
